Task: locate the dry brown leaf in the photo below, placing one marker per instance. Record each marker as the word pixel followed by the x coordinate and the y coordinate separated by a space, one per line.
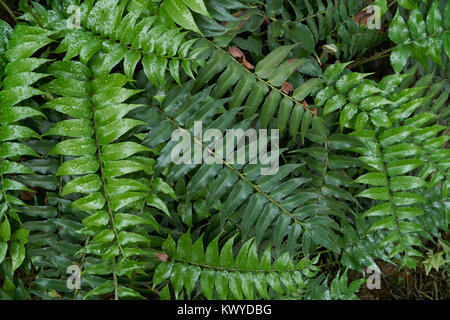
pixel 235 52
pixel 362 17
pixel 246 64
pixel 287 87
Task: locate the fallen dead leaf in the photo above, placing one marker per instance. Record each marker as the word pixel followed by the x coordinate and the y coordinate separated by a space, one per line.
pixel 246 64
pixel 287 87
pixel 235 52
pixel 362 17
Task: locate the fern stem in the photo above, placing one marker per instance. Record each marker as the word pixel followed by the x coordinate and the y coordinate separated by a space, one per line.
pixel 111 216
pixel 390 196
pixel 219 268
pixel 376 56
pixel 244 178
pixel 99 157
pixel 8 9
pixel 384 52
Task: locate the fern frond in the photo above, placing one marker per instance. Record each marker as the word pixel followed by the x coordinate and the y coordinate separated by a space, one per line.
pixel 266 207
pixel 222 275
pixel 111 34
pixel 96 165
pixel 258 95
pixel 16 155
pixel 397 141
pixel 424 35
pixel 392 156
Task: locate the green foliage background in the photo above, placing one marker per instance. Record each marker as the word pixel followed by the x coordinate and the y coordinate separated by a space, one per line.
pixel 87 115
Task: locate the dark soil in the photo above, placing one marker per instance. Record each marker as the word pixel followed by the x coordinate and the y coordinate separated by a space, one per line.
pixel 406 285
